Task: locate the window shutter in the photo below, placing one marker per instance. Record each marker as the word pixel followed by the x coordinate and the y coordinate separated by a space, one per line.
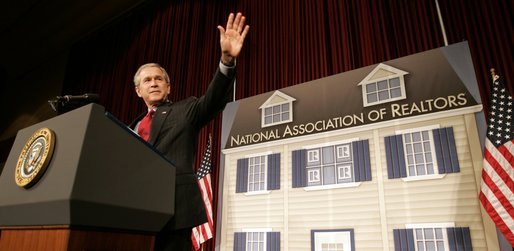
pixel 395 157
pixel 459 238
pixel 239 241
pixel 299 165
pixel 273 241
pixel 446 151
pixel 403 239
pixel 361 165
pixel 242 176
pixel 274 171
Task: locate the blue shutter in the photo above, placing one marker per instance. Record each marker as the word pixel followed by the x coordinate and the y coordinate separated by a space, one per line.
pixel 445 150
pixel 395 156
pixel 273 241
pixel 242 176
pixel 299 168
pixel 274 171
pixel 361 165
pixel 403 239
pixel 459 239
pixel 239 241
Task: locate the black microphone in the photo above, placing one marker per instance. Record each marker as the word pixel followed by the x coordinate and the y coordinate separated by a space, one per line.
pixel 88 97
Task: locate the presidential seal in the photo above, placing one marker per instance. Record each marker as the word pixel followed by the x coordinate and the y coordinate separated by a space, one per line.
pixel 34 157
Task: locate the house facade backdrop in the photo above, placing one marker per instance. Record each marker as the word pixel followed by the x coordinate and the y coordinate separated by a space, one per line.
pixel 385 157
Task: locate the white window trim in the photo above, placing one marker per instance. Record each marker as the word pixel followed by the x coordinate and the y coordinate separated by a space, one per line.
pixel 254 193
pixel 443 225
pixel 397 73
pixel 402 91
pixel 424 177
pixel 257 230
pixel 319 235
pixel 334 186
pixel 263 114
pixel 265 175
pixel 436 174
pixel 258 154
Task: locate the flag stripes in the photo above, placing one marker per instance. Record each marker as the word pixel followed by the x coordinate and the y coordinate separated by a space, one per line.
pixel 204 232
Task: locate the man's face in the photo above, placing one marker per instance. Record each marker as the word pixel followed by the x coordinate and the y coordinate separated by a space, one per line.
pixel 152 86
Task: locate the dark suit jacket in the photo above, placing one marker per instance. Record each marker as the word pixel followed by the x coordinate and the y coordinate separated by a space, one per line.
pixel 174 132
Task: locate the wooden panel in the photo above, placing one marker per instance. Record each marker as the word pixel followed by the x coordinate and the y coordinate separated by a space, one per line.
pixel 57 239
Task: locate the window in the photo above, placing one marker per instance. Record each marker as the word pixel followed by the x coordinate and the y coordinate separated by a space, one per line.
pixel 383 84
pixel 255 241
pixel 383 90
pixel 276 114
pixel 421 153
pixel 258 239
pixel 332 165
pixel 257 173
pixel 418 153
pixel 332 240
pixel 429 239
pixel 278 109
pixel 432 237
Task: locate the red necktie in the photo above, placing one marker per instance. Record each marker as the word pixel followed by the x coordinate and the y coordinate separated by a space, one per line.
pixel 144 126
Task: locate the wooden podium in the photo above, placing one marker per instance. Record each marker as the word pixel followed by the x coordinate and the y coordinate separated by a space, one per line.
pixel 103 189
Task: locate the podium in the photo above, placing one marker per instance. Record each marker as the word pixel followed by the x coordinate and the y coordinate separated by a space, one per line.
pixel 103 188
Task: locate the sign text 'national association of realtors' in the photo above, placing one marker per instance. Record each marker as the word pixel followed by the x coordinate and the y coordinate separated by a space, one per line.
pixel 393 111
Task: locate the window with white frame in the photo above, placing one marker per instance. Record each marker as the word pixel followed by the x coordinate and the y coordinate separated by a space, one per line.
pixel 332 240
pixel 257 167
pixel 431 236
pixel 423 153
pixel 383 84
pixel 277 113
pixel 429 239
pixel 278 109
pixel 329 165
pixel 383 91
pixel 419 153
pixel 255 241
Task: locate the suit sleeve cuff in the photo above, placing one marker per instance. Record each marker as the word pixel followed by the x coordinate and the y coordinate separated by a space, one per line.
pixel 227 70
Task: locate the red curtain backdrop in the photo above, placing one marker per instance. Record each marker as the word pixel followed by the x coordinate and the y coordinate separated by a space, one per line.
pixel 290 42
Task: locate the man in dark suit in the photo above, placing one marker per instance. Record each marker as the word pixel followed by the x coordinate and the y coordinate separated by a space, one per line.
pixel 174 127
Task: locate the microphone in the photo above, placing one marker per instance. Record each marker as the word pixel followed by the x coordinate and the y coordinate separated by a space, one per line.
pixel 88 97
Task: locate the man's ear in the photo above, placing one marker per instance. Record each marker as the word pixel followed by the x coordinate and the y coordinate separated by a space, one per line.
pixel 169 89
pixel 138 92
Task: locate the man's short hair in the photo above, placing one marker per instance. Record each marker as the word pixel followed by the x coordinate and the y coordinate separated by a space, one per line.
pixel 137 80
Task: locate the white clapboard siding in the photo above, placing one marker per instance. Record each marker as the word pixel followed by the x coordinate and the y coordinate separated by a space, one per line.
pixel 294 212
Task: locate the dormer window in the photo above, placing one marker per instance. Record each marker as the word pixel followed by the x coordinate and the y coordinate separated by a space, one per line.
pixel 383 84
pixel 278 109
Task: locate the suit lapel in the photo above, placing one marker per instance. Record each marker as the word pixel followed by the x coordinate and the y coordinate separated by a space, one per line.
pixel 158 119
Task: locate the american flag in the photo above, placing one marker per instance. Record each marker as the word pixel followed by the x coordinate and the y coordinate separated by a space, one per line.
pixel 497 188
pixel 202 233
